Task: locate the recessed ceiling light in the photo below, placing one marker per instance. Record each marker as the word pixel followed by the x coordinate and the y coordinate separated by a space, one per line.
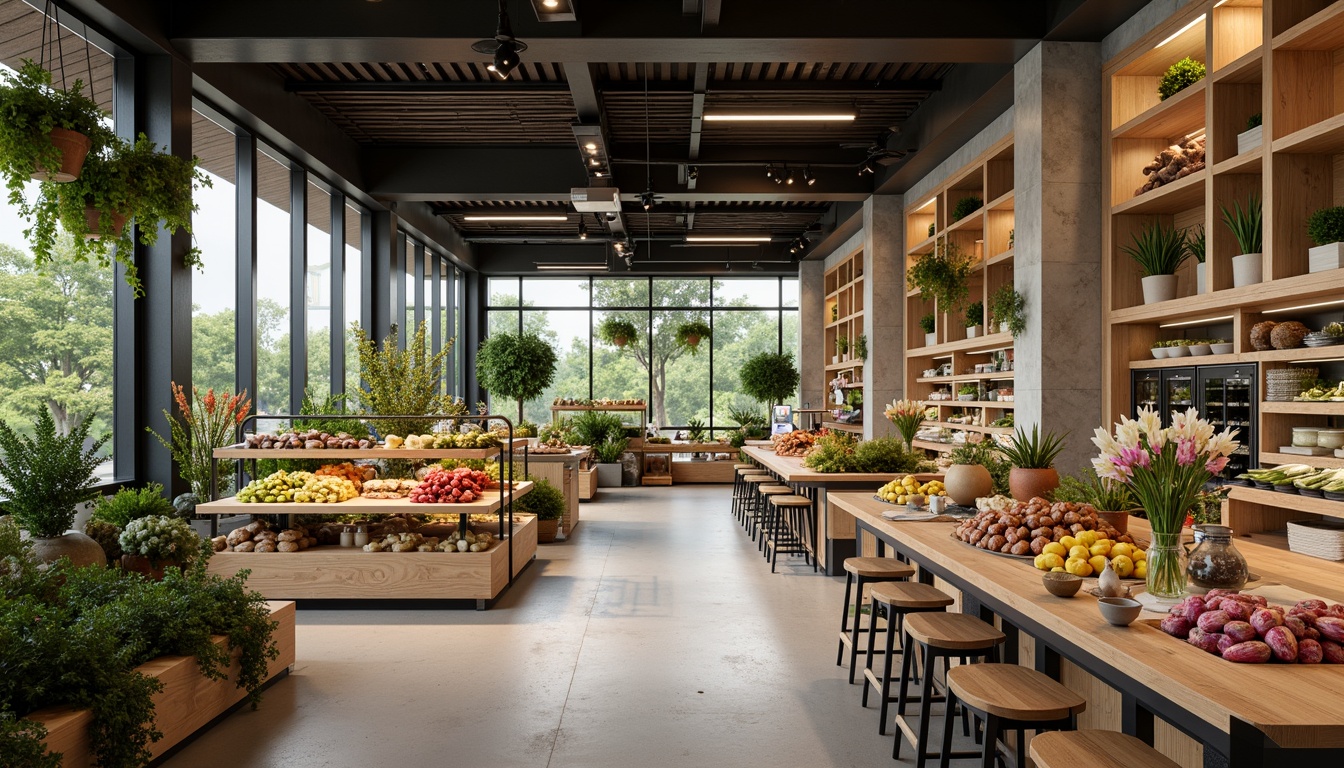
pixel 778 118
pixel 551 3
pixel 515 217
pixel 591 147
pixel 727 238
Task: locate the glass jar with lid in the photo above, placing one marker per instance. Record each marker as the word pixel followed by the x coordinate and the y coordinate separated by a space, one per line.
pixel 1215 563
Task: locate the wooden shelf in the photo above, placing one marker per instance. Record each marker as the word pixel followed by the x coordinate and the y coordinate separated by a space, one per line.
pixel 967 377
pixel 1003 202
pixel 490 502
pixel 345 454
pixel 1324 462
pixel 1179 195
pixel 1248 162
pixel 1286 292
pixel 1272 355
pixel 989 343
pixel 1183 362
pixel 845 366
pixel 1294 501
pixel 1323 31
pixel 1245 69
pixel 924 246
pixel 838 427
pixel 1001 258
pixel 626 408
pixel 1323 138
pixel 1303 409
pixel 1007 406
pixel 971 222
pixel 932 446
pixel 1181 114
pixel 970 427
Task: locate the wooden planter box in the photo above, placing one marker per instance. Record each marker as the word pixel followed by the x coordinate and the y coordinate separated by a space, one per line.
pixel 587 484
pixel 188 702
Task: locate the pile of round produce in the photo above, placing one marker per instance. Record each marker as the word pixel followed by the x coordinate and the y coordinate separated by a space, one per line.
pixel 297 487
pixel 1024 528
pixel 1248 630
pixel 450 486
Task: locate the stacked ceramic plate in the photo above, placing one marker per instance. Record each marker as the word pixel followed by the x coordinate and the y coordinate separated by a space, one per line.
pixel 1284 384
pixel 1319 339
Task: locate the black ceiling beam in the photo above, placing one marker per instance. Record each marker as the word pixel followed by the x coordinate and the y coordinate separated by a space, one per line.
pixel 661 258
pixel 750 184
pixel 794 154
pixel 471 173
pixel 579 77
pixel 590 88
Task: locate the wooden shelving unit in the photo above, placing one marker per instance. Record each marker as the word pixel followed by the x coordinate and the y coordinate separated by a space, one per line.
pixel 1273 57
pixel 844 313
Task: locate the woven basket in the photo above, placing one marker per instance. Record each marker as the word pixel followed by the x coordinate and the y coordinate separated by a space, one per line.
pixel 1284 384
pixel 1318 538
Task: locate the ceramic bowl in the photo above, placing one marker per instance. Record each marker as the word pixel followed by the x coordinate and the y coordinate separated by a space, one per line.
pixel 1199 349
pixel 1159 353
pixel 1220 349
pixel 1062 584
pixel 1120 611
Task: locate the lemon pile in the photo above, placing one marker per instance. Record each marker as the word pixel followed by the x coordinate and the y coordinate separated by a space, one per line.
pixel 1087 555
pixel 900 490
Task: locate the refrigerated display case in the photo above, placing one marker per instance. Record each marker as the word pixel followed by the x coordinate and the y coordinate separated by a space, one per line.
pixel 1227 398
pixel 1178 391
pixel 1145 391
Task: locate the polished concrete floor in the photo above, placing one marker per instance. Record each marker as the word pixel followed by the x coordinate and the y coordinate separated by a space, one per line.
pixel 657 636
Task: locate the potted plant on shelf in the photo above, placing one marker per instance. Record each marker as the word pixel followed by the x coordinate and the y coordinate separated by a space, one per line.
pixel 1195 242
pixel 401 381
pixel 1253 136
pixel 1180 76
pixel 969 478
pixel 1246 228
pixel 617 331
pixel 517 366
pixel 966 206
pixel 695 434
pixel 1326 229
pixel 975 317
pixel 45 132
pixel 932 228
pixel 1159 252
pixel 546 502
pixel 1159 349
pixel 769 377
pixel 44 478
pixel 1007 310
pixel 842 348
pixel 861 347
pixel 967 392
pixel 942 276
pixel 929 325
pixel 1032 458
pixel 690 333
pixel 607 455
pixel 149 545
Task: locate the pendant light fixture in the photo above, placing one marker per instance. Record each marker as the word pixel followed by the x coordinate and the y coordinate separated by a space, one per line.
pixel 504 47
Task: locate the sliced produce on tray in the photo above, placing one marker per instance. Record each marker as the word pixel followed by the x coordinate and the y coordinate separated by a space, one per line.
pixel 1296 478
pixel 1246 629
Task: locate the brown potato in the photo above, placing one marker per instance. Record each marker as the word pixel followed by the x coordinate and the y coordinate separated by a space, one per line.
pixel 995 542
pixel 996 529
pixel 1020 548
pixel 1038 543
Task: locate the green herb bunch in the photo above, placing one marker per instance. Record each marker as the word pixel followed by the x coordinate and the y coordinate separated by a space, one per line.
pixel 129 504
pixel 1195 243
pixel 832 452
pixel 1254 121
pixel 1087 488
pixel 45 477
pixel 1180 76
pixel 399 382
pixel 888 454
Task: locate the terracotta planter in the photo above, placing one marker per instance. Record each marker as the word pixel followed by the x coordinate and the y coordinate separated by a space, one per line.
pixel 142 564
pixel 1118 520
pixel 92 217
pixel 1027 484
pixel 967 482
pixel 547 530
pixel 692 341
pixel 620 341
pixel 74 148
pixel 81 549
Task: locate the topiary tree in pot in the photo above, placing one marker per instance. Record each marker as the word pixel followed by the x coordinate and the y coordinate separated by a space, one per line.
pixel 519 366
pixel 770 377
pixel 44 478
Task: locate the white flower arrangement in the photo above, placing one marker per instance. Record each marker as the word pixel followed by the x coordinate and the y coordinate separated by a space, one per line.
pixel 160 538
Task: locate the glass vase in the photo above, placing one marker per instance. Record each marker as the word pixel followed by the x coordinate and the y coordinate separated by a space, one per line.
pixel 1166 567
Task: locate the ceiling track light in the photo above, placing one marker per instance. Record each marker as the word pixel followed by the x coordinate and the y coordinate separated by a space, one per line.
pixel 788 176
pixel 808 178
pixel 770 172
pixel 693 172
pixel 869 167
pixel 503 47
pixel 583 231
pixel 646 199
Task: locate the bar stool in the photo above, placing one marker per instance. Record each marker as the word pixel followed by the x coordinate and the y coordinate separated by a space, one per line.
pixel 740 489
pixel 940 636
pixel 750 479
pixel 763 510
pixel 898 598
pixel 1009 697
pixel 1104 749
pixel 792 515
pixel 860 571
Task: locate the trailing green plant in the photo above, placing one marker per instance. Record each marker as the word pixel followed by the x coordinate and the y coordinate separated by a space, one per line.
pixel 617 330
pixel 769 377
pixel 861 347
pixel 518 366
pixel 1180 76
pixel 1157 249
pixel 841 344
pixel 975 314
pixel 928 323
pixel 1087 488
pixel 400 382
pixel 1007 306
pixel 129 504
pixel 596 427
pixel 609 451
pixel 696 330
pixel 1254 121
pixel 1034 451
pixel 942 276
pixel 1195 243
pixel 544 500
pixel 23 744
pixel 43 478
pixel 968 389
pixel 966 206
pixel 1246 225
pixel 695 430
pixel 1326 226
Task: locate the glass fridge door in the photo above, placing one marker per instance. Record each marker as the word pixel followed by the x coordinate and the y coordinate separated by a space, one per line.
pixel 1147 391
pixel 1177 393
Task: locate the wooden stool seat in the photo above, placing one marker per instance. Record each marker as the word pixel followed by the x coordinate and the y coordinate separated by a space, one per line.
pixel 762 478
pixel 744 466
pixel 775 490
pixel 791 501
pixel 910 595
pixel 1103 749
pixel 1013 692
pixel 878 568
pixel 952 631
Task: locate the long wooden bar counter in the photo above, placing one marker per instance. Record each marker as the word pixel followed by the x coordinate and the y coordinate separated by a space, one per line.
pixel 1242 714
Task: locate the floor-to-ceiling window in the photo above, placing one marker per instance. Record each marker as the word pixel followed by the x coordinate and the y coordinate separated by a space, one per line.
pixel 214 227
pixel 354 290
pixel 317 291
pixel 273 273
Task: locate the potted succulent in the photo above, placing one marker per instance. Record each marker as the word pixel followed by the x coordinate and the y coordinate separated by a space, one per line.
pixel 1195 242
pixel 966 206
pixel 44 478
pixel 617 331
pixel 929 325
pixel 769 377
pixel 1032 458
pixel 151 544
pixel 861 347
pixel 842 348
pixel 1180 76
pixel 942 276
pixel 968 478
pixel 1246 228
pixel 45 132
pixel 1326 229
pixel 690 333
pixel 1253 136
pixel 975 317
pixel 517 366
pixel 1159 252
pixel 1007 310
pixel 546 502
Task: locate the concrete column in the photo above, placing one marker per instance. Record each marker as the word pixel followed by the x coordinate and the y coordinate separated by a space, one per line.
pixel 884 306
pixel 811 332
pixel 1057 179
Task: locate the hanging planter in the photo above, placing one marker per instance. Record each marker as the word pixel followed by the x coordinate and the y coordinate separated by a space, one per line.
pixel 617 331
pixel 95 228
pixel 45 132
pixel 690 333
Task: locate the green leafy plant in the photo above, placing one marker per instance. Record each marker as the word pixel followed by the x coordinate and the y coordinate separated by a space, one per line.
pixel 334 404
pixel 928 323
pixel 129 504
pixel 23 743
pixel 544 500
pixel 1326 226
pixel 691 333
pixel 1087 488
pixel 966 206
pixel 746 417
pixel 695 430
pixel 519 366
pixel 1195 242
pixel 986 455
pixel 854 399
pixel 1157 249
pixel 861 347
pixel 942 276
pixel 832 452
pixel 525 428
pixel 1254 121
pixel 595 427
pixel 1034 451
pixel 1245 224
pixel 397 382
pixel 1180 76
pixel 932 228
pixel 617 330
pixel 888 454
pixel 841 344
pixel 45 477
pixel 975 314
pixel 160 538
pixel 1008 306
pixel 968 389
pixel 609 451
pixel 769 377
pixel 1012 235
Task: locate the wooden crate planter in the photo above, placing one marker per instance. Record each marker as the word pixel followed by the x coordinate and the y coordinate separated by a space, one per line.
pixel 587 484
pixel 188 702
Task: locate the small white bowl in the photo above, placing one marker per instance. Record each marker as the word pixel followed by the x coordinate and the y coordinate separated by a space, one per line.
pixel 1119 611
pixel 1220 349
pixel 1178 351
pixel 1159 352
pixel 1199 349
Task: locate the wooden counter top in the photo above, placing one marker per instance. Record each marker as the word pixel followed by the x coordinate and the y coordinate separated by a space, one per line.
pixel 791 470
pixel 1294 705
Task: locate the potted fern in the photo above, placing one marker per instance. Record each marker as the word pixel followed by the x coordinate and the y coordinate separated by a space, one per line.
pixel 1246 228
pixel 617 331
pixel 1326 229
pixel 1007 310
pixel 690 333
pixel 975 317
pixel 929 324
pixel 1195 242
pixel 1032 458
pixel 1159 251
pixel 43 479
pixel 861 347
pixel 942 276
pixel 45 132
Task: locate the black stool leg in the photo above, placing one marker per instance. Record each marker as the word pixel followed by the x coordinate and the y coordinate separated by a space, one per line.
pixel 948 719
pixel 989 748
pixel 894 627
pixel 925 706
pixel 854 638
pixel 901 695
pixel 844 619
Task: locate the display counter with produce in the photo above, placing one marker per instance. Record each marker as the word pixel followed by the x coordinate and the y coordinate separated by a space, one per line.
pixel 1198 706
pixel 562 469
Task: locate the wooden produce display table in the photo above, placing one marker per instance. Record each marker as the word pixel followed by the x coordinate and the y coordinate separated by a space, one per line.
pixel 694 471
pixel 562 470
pixel 1241 714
